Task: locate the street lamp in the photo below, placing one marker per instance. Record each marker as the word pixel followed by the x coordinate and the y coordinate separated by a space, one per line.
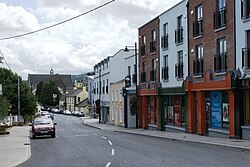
pixel 136 86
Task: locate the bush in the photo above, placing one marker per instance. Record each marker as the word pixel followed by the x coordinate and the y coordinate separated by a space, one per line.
pixel 3 129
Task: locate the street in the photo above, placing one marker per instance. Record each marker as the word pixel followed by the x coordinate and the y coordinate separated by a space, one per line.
pixel 79 145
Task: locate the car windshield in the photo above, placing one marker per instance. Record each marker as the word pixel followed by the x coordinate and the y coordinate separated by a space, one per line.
pixel 42 121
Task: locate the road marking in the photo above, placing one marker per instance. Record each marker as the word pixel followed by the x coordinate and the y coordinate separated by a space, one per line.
pixel 110 143
pixel 57 137
pixel 81 135
pixel 108 164
pixel 104 137
pixel 113 152
pixel 95 134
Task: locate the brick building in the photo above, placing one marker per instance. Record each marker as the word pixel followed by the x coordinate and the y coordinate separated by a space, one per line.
pixel 148 74
pixel 211 98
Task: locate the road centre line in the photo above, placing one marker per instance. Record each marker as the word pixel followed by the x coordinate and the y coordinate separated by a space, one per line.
pixel 113 152
pixel 108 164
pixel 104 137
pixel 110 143
pixel 95 134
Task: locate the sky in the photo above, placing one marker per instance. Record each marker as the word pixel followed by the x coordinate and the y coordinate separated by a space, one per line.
pixel 75 46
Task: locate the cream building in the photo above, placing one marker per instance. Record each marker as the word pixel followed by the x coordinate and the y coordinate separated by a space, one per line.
pixel 116 115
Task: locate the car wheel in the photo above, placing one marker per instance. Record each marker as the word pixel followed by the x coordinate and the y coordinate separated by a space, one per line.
pixel 53 135
pixel 33 136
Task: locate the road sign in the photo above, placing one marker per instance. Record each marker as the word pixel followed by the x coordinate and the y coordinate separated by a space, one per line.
pixel 54 96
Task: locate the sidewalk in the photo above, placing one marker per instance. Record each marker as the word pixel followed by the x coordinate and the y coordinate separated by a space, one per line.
pixel 15 147
pixel 187 137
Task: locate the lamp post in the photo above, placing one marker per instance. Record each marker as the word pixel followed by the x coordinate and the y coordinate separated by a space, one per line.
pixel 136 86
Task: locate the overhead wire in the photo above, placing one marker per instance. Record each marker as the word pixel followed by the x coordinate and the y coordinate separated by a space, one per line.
pixel 62 22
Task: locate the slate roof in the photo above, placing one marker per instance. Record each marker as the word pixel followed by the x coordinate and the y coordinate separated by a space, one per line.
pixel 83 103
pixel 63 81
pixel 74 93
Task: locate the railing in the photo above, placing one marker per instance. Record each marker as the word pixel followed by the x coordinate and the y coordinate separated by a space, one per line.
pixel 179 70
pixel 165 73
pixel 152 46
pixel 179 35
pixel 143 50
pixel 153 75
pixel 220 18
pixel 246 58
pixel 198 66
pixel 220 62
pixel 143 76
pixel 245 9
pixel 164 41
pixel 197 27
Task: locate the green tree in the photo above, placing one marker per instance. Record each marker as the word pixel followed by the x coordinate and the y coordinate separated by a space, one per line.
pixel 9 81
pixel 3 108
pixel 45 93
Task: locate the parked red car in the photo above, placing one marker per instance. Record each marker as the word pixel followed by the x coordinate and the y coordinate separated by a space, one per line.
pixel 43 126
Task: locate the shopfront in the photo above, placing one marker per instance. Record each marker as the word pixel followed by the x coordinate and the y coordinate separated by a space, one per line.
pixel 211 107
pixel 172 107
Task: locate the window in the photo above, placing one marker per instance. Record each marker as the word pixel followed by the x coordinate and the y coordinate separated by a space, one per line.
pixel 120 94
pixel 79 99
pixel 103 87
pixel 164 38
pixel 179 65
pixel 220 14
pixel 113 114
pixel 179 30
pixel 153 42
pixel 198 12
pixel 246 52
pixel 107 86
pixel 113 95
pixel 116 95
pixel 143 46
pixel 143 73
pixel 198 62
pixel 220 58
pixel 165 68
pixel 245 9
pixel 120 115
pixel 153 70
pixel 197 25
pixel 107 65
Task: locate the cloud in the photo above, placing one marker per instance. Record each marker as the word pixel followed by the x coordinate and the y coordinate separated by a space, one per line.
pixel 76 46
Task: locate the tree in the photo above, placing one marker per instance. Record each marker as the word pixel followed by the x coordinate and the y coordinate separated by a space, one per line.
pixel 45 93
pixel 9 81
pixel 3 108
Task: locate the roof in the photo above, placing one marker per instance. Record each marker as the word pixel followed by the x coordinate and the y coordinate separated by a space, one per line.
pixel 74 93
pixel 63 81
pixel 83 103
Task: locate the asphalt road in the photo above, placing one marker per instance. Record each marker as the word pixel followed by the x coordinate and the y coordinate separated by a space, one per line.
pixel 78 145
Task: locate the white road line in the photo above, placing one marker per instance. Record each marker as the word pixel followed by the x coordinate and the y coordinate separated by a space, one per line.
pixel 95 134
pixel 110 143
pixel 57 137
pixel 113 152
pixel 108 164
pixel 104 137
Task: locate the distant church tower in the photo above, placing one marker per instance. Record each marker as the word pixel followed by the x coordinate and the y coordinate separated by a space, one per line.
pixel 51 71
